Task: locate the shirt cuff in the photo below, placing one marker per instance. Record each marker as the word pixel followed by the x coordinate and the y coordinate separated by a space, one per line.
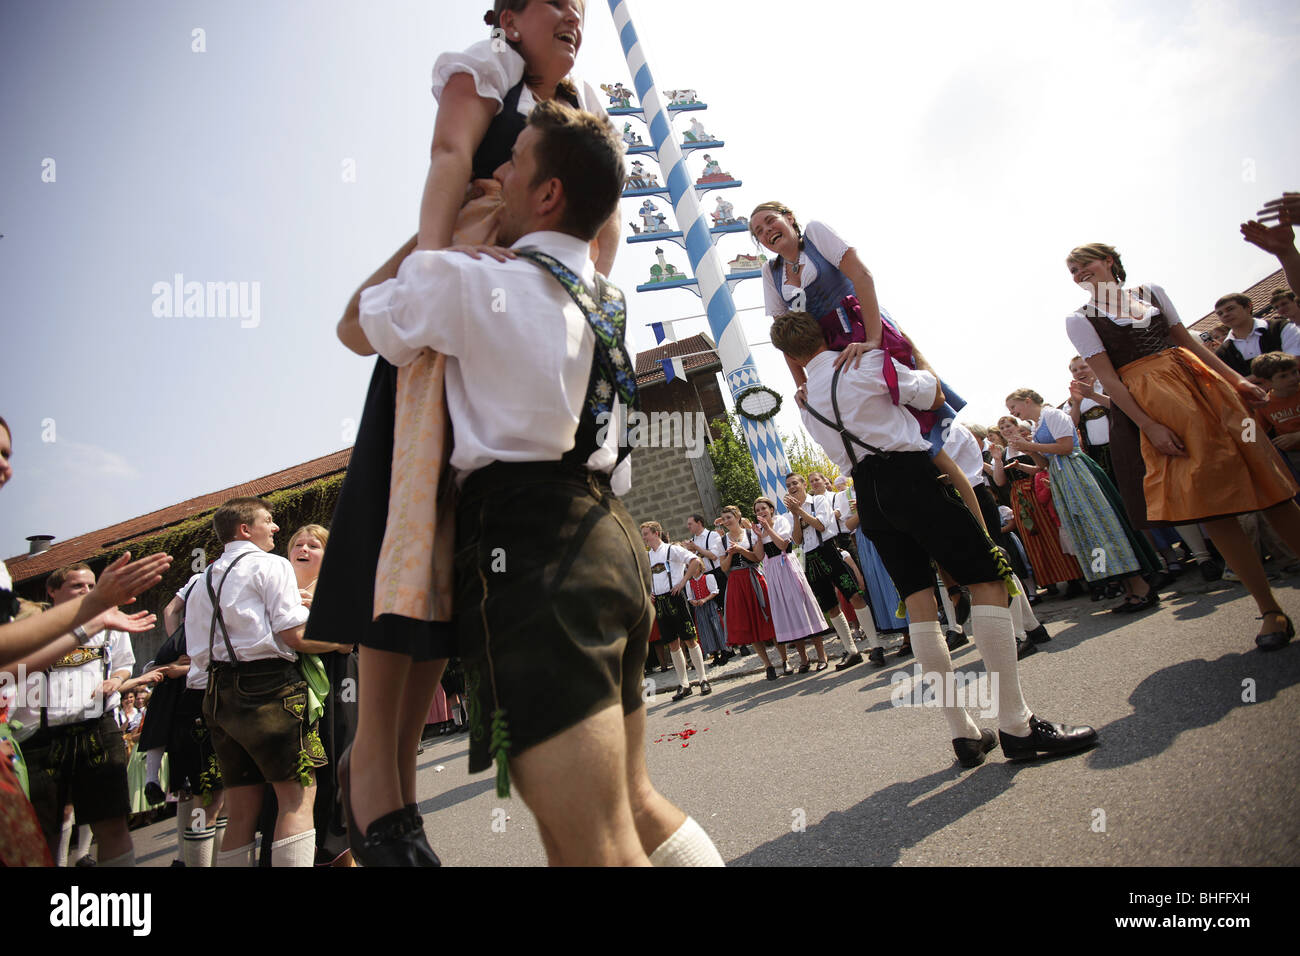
pixel 377 321
pixel 918 385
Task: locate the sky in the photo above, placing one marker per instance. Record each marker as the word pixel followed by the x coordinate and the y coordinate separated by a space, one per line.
pixel 962 149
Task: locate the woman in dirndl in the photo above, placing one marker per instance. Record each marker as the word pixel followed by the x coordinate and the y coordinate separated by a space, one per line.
pixel 1180 440
pixel 1106 545
pixel 795 614
pixel 1037 527
pixel 749 609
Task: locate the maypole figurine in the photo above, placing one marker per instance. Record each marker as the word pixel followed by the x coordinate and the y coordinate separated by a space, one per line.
pixel 695 133
pixel 652 220
pixel 620 97
pixel 757 405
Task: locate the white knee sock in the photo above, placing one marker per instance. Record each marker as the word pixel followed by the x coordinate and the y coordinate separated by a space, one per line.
pixel 997 645
pixel 868 625
pixel 842 631
pixel 1017 619
pixel 1195 541
pixel 949 611
pixel 689 846
pixel 296 850
pixel 126 859
pixel 152 764
pixel 679 665
pixel 196 846
pixel 1028 618
pixel 697 658
pixel 65 837
pixel 84 836
pixel 218 838
pixel 240 856
pixel 931 652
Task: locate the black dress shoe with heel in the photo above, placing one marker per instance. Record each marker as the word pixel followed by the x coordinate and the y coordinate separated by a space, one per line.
pixel 1046 739
pixel 395 839
pixel 1275 640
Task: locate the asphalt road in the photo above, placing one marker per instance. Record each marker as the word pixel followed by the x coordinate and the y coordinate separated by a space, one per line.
pixel 823 770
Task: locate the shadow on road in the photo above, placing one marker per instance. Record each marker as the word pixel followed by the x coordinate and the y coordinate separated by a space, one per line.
pixel 1192 694
pixel 875 831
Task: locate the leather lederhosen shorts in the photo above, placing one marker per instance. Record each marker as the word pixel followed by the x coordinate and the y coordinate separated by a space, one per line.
pixel 256 713
pixel 553 614
pixel 83 764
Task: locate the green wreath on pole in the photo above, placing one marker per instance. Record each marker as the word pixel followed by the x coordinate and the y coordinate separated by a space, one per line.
pixel 759 403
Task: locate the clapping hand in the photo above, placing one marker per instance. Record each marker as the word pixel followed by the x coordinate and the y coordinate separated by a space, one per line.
pixel 1276 239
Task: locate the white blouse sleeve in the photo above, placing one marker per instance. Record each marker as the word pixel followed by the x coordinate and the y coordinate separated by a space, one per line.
pixel 1083 336
pixel 495 73
pixel 773 304
pixel 827 241
pixel 1058 423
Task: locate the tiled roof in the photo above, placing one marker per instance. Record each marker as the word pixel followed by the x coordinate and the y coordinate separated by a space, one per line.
pixel 701 357
pixel 1259 295
pixel 23 567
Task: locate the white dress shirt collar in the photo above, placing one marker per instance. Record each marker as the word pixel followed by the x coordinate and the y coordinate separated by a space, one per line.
pixel 571 251
pixel 1257 329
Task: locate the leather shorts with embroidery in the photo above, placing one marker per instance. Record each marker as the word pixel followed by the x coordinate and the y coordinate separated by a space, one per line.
pixel 257 715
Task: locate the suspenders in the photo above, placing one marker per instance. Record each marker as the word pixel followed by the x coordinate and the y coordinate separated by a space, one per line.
pixel 846 436
pixel 217 619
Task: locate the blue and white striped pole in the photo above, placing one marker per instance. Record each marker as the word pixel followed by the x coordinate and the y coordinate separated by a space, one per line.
pixel 737 363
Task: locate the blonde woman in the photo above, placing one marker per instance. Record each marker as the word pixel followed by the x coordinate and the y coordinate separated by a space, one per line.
pixel 1178 425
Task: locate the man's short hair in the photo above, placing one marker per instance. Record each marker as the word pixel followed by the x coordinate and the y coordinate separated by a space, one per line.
pixel 1240 298
pixel 1272 363
pixel 583 152
pixel 57 578
pixel 236 512
pixel 1277 296
pixel 797 334
pixel 653 526
pixel 698 519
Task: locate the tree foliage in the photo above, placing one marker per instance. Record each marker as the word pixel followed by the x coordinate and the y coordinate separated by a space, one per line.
pixel 733 469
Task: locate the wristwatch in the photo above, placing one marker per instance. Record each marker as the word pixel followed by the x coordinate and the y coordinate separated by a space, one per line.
pixel 80 634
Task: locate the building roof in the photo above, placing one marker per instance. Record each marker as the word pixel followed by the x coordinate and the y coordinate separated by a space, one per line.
pixel 699 354
pixel 24 566
pixel 1259 295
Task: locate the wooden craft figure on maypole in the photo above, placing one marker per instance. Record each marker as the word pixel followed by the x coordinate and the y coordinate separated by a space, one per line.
pixel 756 404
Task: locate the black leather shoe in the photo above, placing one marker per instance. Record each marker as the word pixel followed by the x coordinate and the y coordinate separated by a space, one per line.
pixel 682 693
pixel 390 840
pixel 848 660
pixel 705 688
pixel 956 639
pixel 1038 635
pixel 1276 640
pixel 1138 605
pixel 904 650
pixel 421 841
pixel 1047 740
pixel 805 667
pixel 153 792
pixel 877 656
pixel 1210 569
pixel 1025 648
pixel 970 753
pixel 771 672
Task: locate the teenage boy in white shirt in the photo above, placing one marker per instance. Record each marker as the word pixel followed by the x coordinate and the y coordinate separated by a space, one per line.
pixel 255 704
pixel 671 567
pixel 912 521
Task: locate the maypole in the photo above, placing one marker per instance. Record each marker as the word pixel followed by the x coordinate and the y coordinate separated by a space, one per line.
pixel 711 284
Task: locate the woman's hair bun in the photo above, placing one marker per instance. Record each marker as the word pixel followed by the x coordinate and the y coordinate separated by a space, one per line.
pixel 490 18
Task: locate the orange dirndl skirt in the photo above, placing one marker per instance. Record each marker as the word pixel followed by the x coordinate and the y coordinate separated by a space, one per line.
pixel 1231 467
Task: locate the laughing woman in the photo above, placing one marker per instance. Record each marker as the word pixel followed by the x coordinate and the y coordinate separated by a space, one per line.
pixel 817 272
pixel 1106 546
pixel 1179 441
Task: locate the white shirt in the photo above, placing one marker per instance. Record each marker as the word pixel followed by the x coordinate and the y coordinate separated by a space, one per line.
pixel 668 564
pixel 866 406
pixel 819 507
pixel 1098 429
pixel 964 450
pixel 716 549
pixel 1085 338
pixel 518 350
pixel 1249 347
pixel 195 678
pixel 497 73
pixel 781 524
pixel 791 297
pixel 73 683
pixel 6 582
pixel 259 600
pixel 839 501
